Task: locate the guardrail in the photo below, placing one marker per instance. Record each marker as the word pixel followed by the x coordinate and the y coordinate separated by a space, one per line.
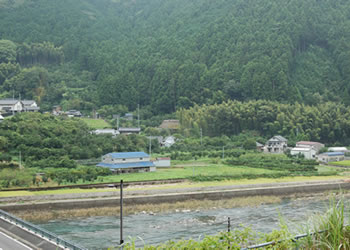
pixel 97 185
pixel 272 243
pixel 39 231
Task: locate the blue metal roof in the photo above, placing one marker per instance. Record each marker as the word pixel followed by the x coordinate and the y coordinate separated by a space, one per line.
pixel 128 155
pixel 127 165
pixel 334 153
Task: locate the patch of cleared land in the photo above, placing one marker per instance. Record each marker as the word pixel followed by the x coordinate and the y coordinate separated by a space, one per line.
pixel 96 123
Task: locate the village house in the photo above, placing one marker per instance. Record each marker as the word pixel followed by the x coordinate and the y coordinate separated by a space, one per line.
pixel 277 145
pixel 30 106
pixel 15 106
pixel 127 162
pixel 310 144
pixel 11 106
pixel 73 113
pixel 307 152
pixel 331 156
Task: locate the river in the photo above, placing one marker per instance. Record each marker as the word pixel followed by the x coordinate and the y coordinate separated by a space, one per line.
pixel 103 231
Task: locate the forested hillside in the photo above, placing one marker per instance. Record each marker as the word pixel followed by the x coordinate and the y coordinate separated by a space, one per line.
pixel 171 54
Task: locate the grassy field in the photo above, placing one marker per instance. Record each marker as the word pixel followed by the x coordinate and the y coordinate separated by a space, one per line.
pixel 341 163
pixel 96 123
pixel 187 171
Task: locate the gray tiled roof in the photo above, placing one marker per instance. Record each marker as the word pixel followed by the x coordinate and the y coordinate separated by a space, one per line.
pixel 280 138
pixel 8 102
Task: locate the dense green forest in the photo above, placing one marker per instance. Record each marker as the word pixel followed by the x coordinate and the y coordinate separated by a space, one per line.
pixel 171 54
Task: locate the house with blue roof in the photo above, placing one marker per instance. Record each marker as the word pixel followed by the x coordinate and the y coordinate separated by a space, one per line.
pixel 127 162
pixel 331 156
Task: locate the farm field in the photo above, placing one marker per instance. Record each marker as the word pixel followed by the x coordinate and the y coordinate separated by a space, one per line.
pixel 96 123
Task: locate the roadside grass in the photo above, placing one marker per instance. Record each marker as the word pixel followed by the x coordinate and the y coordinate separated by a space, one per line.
pixel 50 192
pixel 96 123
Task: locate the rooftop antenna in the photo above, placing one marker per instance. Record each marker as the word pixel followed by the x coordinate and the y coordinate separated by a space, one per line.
pixel 138 115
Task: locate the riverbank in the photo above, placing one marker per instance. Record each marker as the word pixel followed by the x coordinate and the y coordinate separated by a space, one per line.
pixel 161 199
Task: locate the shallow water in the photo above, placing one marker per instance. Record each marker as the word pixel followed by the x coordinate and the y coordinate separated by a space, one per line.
pixel 103 231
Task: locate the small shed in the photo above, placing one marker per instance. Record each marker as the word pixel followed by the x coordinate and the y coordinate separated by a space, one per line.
pixel 170 124
pixel 162 162
pixel 331 156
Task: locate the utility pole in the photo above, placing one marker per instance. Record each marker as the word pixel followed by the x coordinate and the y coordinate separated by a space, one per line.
pixel 201 141
pixel 20 159
pixel 150 147
pixel 121 212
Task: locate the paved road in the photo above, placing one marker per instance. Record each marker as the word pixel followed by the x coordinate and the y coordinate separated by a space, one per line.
pixel 8 243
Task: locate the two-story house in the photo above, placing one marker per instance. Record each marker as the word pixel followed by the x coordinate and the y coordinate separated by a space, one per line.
pixel 277 144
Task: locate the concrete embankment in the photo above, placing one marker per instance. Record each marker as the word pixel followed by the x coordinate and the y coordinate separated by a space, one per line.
pixel 173 195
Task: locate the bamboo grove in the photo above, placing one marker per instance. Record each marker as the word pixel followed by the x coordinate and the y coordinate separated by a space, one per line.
pixel 327 122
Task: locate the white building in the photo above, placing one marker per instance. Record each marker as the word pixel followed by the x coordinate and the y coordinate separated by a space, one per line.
pixel 331 156
pixel 277 144
pixel 310 144
pixel 162 162
pixel 106 131
pixel 128 162
pixel 168 141
pixel 337 149
pixel 309 153
pixel 1 118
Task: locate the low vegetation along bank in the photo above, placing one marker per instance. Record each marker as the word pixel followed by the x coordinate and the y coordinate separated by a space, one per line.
pixel 46 215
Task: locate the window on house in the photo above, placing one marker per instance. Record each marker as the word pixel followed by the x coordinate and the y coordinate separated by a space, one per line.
pixel 141 158
pixel 124 159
